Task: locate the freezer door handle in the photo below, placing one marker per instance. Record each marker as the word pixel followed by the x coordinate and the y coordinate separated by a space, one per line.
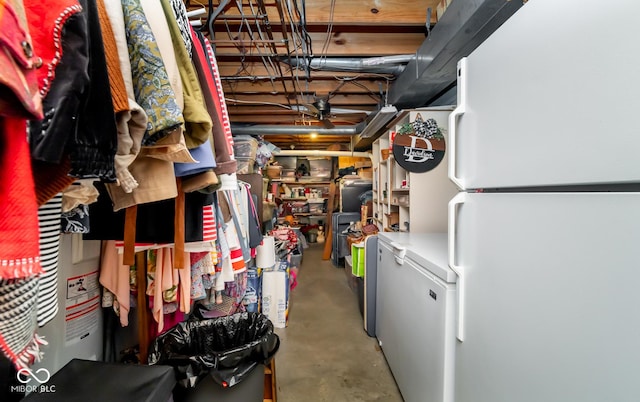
pixel 453 121
pixel 458 200
pixel 399 251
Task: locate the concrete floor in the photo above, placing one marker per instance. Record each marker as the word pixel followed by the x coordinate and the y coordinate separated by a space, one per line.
pixel 325 354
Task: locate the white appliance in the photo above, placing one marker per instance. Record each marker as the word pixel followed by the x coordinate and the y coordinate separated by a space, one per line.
pixel 415 314
pixel 77 329
pixel 545 234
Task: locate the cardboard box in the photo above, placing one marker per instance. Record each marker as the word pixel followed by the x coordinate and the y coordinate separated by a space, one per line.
pixel 366 173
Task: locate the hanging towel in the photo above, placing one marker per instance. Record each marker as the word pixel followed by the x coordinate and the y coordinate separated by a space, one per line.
pixel 49 216
pixel 115 276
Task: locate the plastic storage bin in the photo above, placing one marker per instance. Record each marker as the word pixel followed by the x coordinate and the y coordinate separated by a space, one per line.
pixel 245 146
pixel 357 259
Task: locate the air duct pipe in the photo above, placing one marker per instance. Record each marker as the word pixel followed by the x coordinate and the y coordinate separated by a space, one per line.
pixel 266 129
pixel 379 65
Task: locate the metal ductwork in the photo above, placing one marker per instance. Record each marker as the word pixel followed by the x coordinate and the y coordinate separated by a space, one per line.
pixel 379 65
pixel 266 129
pixel 464 26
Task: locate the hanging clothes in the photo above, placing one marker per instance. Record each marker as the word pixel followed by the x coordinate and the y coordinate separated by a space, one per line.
pixel 115 277
pixel 18 321
pixel 155 220
pixel 49 216
pixel 152 88
pixel 180 14
pixel 225 164
pixel 197 120
pixel 160 92
pixel 221 103
pixel 131 120
pixel 75 207
pixel 78 108
pixel 19 254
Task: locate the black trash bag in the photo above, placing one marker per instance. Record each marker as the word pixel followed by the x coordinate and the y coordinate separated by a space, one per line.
pixel 227 348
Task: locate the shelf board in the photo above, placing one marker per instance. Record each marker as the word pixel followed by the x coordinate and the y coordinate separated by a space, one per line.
pixel 308 214
pixel 288 199
pixel 400 190
pixel 301 183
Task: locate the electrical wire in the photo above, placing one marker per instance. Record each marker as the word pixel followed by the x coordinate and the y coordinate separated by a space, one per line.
pixel 327 40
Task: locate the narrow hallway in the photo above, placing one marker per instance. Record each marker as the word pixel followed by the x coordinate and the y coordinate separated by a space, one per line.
pixel 325 353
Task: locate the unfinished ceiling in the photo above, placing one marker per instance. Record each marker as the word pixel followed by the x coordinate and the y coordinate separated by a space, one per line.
pixel 278 59
pixel 292 67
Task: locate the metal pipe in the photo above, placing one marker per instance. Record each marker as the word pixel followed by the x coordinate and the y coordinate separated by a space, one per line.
pixel 347 64
pixel 301 152
pixel 384 60
pixel 267 129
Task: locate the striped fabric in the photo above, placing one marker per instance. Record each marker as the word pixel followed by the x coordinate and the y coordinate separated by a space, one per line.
pixel 49 217
pixel 18 324
pixel 209 222
pixel 221 104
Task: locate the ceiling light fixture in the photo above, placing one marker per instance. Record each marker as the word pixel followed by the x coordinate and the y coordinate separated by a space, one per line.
pixel 313 136
pixel 379 121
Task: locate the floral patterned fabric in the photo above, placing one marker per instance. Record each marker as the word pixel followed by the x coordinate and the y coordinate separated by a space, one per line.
pixel 76 220
pixel 150 80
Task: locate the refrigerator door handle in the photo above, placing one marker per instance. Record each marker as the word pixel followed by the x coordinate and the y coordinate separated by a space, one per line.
pixel 459 199
pixel 399 252
pixel 453 121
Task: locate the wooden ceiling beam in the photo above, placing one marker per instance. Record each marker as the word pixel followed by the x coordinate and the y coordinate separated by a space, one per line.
pixel 340 44
pixel 318 86
pixel 367 12
pixel 283 100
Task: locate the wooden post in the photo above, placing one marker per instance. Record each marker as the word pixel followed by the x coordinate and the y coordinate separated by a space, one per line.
pixel 143 310
pixel 329 232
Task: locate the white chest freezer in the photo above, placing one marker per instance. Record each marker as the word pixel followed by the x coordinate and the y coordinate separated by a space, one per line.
pixel 415 314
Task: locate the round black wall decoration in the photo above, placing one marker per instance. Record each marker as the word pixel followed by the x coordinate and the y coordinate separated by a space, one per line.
pixel 419 146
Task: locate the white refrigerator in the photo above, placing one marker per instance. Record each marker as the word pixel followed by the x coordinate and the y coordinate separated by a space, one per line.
pixel 544 234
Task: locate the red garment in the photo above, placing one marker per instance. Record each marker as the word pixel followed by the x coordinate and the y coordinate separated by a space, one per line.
pixel 20 250
pixel 221 103
pixel 18 64
pixel 46 23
